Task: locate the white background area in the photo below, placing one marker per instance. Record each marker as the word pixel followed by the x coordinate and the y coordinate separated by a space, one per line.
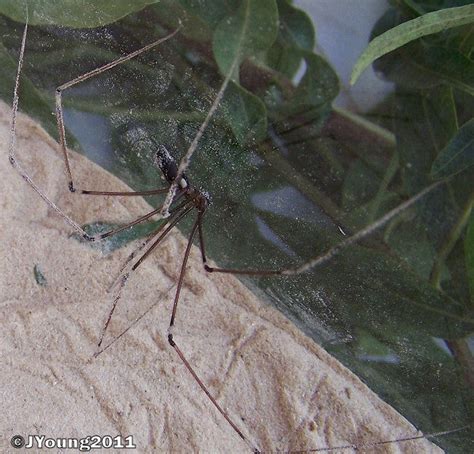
pixel 342 32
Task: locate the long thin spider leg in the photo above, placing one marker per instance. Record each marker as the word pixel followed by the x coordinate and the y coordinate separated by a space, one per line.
pixel 130 224
pixel 208 394
pixel 211 269
pixel 82 78
pixel 124 278
pixel 175 212
pixel 183 272
pixel 26 177
pixel 133 324
pixel 112 309
pixel 331 252
pixel 127 193
pixel 161 237
pixel 12 147
pixel 380 443
pixel 361 234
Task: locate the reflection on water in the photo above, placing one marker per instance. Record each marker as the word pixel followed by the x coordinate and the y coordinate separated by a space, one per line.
pixel 288 202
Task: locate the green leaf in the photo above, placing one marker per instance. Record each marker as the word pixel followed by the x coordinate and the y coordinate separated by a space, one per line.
pixel 296 27
pixel 413 128
pixel 252 29
pixel 441 114
pixel 417 66
pixel 319 85
pixel 450 66
pixel 72 13
pixel 245 113
pixel 366 344
pixel 360 184
pixel 410 241
pixel 210 11
pixel 296 33
pixel 409 31
pixel 458 155
pixel 469 251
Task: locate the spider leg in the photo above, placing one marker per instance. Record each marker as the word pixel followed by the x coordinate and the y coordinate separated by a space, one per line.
pixel 130 224
pixel 327 256
pixel 384 442
pixel 82 78
pixel 178 350
pixel 124 277
pixel 208 394
pixel 211 269
pixel 12 147
pixel 141 218
pixel 127 193
pixel 174 213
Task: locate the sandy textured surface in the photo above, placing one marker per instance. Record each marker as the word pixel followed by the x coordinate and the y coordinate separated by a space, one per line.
pixel 284 391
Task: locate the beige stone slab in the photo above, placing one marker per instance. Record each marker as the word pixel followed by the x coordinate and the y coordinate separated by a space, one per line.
pixel 283 390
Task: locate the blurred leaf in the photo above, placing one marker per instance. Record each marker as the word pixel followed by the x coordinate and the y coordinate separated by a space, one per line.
pixel 369 345
pixel 210 11
pixel 30 99
pixel 319 85
pixel 296 27
pixel 458 155
pixel 441 114
pixel 413 141
pixel 411 242
pixel 245 113
pixel 252 29
pixel 425 64
pixel 404 33
pixel 419 66
pixel 450 65
pixel 469 251
pixel 402 65
pixel 72 13
pixel 397 298
pixel 360 184
pixel 295 33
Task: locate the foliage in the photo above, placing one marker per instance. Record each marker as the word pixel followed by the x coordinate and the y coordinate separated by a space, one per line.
pixel 287 173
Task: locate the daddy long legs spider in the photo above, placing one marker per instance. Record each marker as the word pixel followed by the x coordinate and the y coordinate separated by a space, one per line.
pixel 188 198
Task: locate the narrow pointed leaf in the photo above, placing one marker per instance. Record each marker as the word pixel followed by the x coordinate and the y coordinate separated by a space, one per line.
pixel 409 31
